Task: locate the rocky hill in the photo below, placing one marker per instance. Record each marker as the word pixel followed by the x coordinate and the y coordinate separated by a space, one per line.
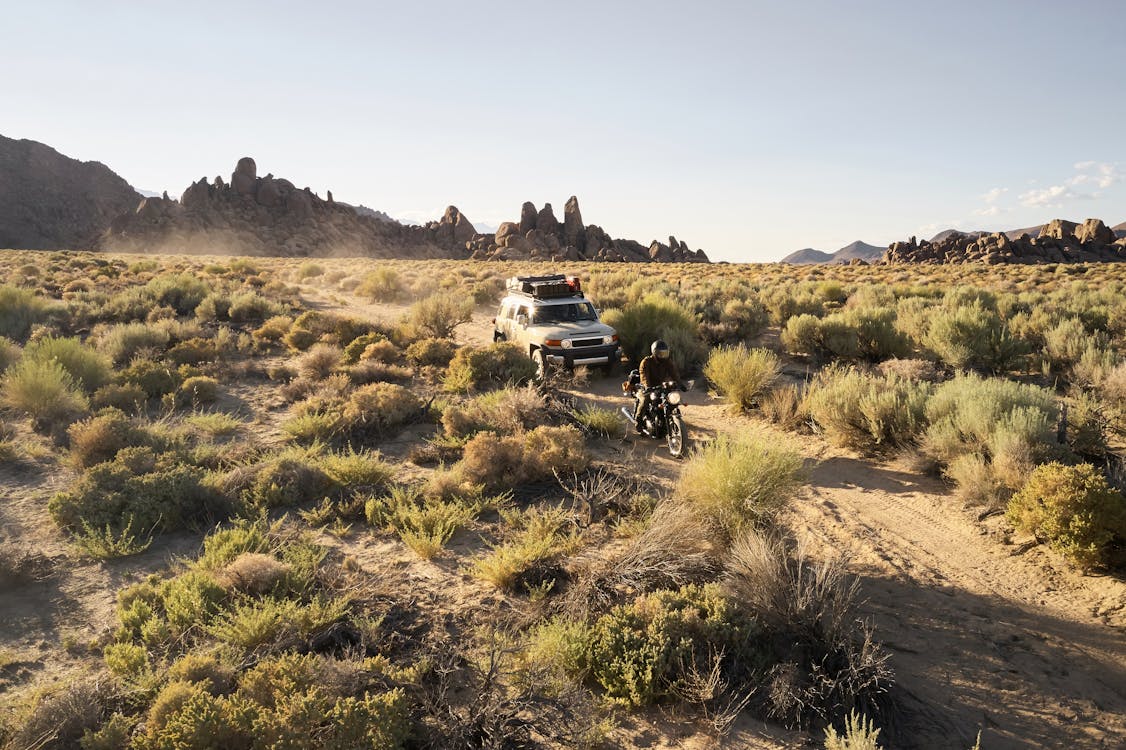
pixel 1058 241
pixel 538 235
pixel 49 201
pixel 854 251
pixel 254 215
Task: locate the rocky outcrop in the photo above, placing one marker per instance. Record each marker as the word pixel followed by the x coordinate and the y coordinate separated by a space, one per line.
pixel 1059 241
pixel 270 215
pixel 540 236
pixel 52 202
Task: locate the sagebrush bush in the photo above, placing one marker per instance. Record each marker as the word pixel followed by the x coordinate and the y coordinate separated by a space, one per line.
pixel 502 461
pixel 867 412
pixel 641 323
pixel 742 375
pixel 20 309
pixel 972 336
pixel 857 333
pixel 89 368
pixel 431 352
pixel 1074 511
pixel 742 481
pixel 100 437
pixel 43 390
pixel 381 285
pixel 156 379
pixel 499 364
pixel 439 315
pixel 506 411
pixel 9 353
pixel 639 653
pixel 379 407
pixel 123 341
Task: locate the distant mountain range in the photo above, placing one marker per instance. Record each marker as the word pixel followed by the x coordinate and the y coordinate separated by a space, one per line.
pixel 854 251
pixel 864 251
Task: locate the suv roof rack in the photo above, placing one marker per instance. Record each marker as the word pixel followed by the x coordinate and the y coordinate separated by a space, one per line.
pixel 546 287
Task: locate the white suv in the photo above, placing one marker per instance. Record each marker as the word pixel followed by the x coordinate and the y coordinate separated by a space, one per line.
pixel 551 318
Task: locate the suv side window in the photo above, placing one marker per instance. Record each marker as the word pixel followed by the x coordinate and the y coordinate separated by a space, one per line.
pixel 510 313
pixel 525 311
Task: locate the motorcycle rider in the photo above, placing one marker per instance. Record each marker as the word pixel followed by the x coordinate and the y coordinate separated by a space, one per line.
pixel 655 369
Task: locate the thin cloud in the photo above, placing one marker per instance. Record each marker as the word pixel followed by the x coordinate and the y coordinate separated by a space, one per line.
pixel 993 210
pixel 994 195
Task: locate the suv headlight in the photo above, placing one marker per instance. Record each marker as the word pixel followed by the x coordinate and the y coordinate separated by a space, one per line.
pixel 674 398
pixel 566 343
pixel 607 339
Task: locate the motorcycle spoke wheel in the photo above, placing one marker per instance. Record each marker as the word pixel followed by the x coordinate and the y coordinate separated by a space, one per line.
pixel 676 436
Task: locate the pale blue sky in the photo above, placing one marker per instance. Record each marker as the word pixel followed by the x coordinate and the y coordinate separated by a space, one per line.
pixel 750 129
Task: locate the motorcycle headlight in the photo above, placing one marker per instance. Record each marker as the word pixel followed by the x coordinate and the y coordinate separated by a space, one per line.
pixel 566 343
pixel 674 398
pixel 607 339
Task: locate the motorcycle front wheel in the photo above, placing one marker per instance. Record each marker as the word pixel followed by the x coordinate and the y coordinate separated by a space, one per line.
pixel 675 437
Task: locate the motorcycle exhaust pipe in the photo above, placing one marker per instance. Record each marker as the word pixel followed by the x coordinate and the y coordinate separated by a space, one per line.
pixel 627 415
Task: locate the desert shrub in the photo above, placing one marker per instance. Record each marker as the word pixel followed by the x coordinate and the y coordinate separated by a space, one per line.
pixel 381 285
pixel 909 369
pixel 424 525
pixel 1009 425
pixel 123 341
pixel 213 669
pixel 739 482
pixel 247 307
pixel 507 411
pixel 1074 511
pixel 860 733
pixel 43 390
pixel 506 461
pixel 785 406
pixel 284 480
pixel 868 412
pixel 357 469
pixel 156 379
pixel 139 489
pixel 89 368
pixel 309 270
pixel 785 302
pixel 1065 343
pixel 381 351
pixel 319 361
pixel 182 292
pixel 20 309
pixel 499 364
pixel 867 334
pixel 526 560
pixel 742 374
pixel 440 314
pixel 128 397
pixel 605 422
pixel 379 407
pixel 58 718
pixel 655 317
pixel 826 663
pixel 196 390
pixel 9 353
pixel 972 336
pixel 100 437
pixel 193 351
pixel 639 653
pixel 126 660
pixel 274 329
pixel 357 346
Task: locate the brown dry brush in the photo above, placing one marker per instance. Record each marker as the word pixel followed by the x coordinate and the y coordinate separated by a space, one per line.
pixel 828 663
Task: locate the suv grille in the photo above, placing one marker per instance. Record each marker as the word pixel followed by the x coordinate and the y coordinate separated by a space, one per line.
pixel 586 342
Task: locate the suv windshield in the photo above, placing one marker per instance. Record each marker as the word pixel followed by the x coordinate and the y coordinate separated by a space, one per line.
pixel 564 313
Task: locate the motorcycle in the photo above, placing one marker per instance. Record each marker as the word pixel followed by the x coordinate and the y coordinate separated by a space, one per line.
pixel 660 419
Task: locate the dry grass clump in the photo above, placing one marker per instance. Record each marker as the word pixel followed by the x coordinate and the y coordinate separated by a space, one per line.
pixel 59 718
pixel 785 406
pixel 89 368
pixel 502 461
pixel 742 375
pixel 739 482
pixel 45 391
pixel 320 361
pixel 20 309
pixel 829 666
pixel 253 573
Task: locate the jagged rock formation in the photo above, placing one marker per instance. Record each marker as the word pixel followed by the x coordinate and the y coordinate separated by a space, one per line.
pixel 49 201
pixel 539 235
pixel 269 215
pixel 1059 241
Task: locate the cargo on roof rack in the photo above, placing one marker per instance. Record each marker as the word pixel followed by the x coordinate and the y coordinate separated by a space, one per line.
pixel 546 287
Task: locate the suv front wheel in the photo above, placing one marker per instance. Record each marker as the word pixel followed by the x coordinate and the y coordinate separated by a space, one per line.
pixel 541 364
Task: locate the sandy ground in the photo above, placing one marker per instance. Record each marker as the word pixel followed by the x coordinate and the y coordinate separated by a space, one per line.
pixel 985 633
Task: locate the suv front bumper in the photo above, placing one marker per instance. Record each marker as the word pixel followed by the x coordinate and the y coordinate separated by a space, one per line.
pixel 583 355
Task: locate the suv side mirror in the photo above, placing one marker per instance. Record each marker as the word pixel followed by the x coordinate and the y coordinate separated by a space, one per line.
pixel 522 320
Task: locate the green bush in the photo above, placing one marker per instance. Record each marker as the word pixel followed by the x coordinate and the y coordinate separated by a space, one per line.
pixel 381 285
pixel 867 412
pixel 156 379
pixel 972 336
pixel 43 390
pixel 867 334
pixel 123 341
pixel 742 374
pixel 247 307
pixel 182 292
pixel 9 353
pixel 1074 511
pixel 736 482
pixel 431 352
pixel 641 652
pixel 655 317
pixel 20 309
pixel 439 315
pixel 89 368
pixel 196 390
pixel 496 365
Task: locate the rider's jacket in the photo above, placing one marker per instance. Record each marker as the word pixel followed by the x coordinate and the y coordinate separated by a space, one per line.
pixel 656 371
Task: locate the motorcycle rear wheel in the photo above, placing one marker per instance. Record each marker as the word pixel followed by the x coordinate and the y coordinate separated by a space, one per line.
pixel 676 437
